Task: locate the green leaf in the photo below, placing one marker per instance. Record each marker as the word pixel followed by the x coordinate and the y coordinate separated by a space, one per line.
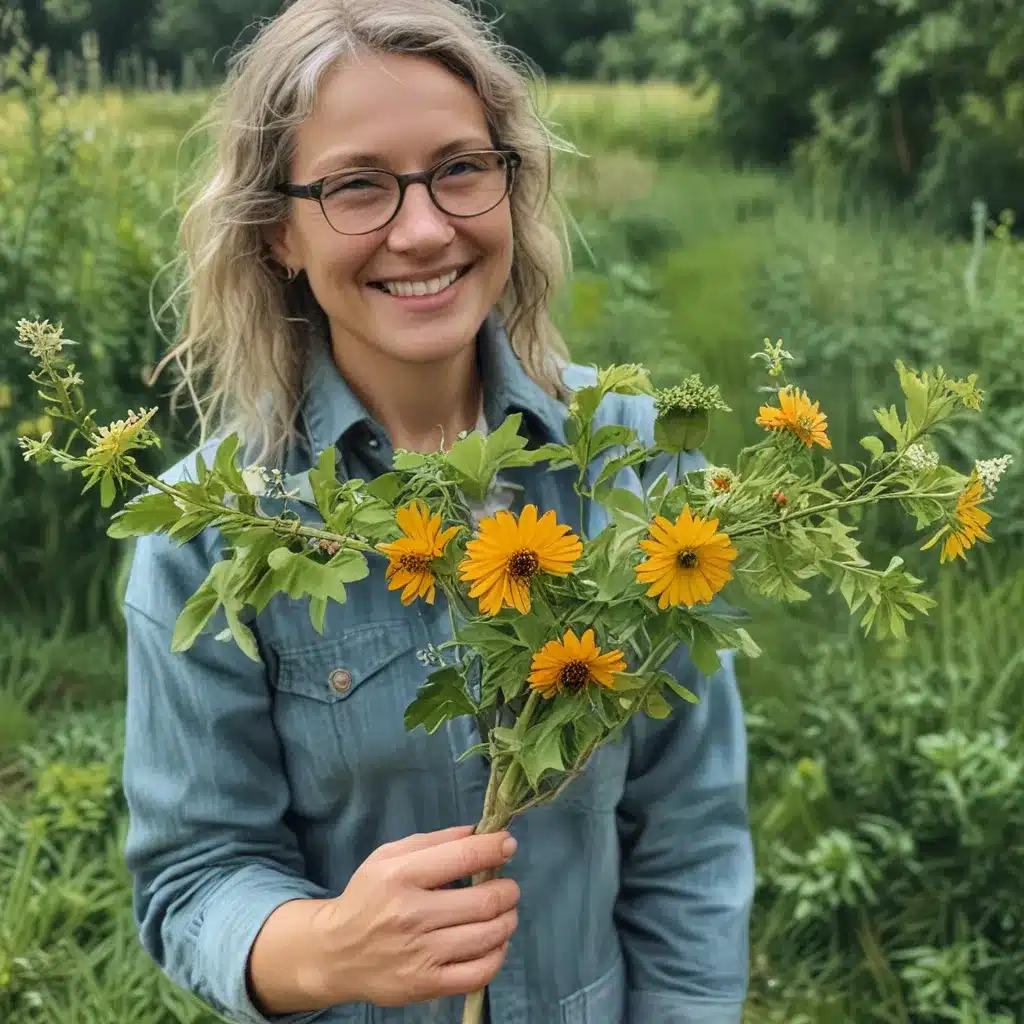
pixel 572 430
pixel 619 579
pixel 508 740
pixel 625 379
pixel 108 490
pixel 656 706
pixel 873 444
pixel 387 487
pixel 916 392
pixel 626 682
pixel 627 503
pixel 669 680
pixel 703 651
pixel 406 460
pixel 323 480
pixel 609 436
pixel 318 613
pixel 505 672
pixel 224 464
pixel 241 633
pixel 543 755
pixel 585 402
pixel 531 630
pixel 202 471
pixel 466 457
pixel 196 613
pixel 486 638
pixel 611 469
pixel 152 513
pixel 889 420
pixel 298 575
pixel 554 453
pixel 503 442
pixel 477 748
pixel 440 699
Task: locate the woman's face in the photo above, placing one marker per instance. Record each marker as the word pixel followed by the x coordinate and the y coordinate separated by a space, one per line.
pixel 403 114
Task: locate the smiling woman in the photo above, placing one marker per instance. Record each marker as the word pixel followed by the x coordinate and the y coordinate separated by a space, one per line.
pixel 367 265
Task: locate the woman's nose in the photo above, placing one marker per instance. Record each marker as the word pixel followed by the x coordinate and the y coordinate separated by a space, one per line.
pixel 419 222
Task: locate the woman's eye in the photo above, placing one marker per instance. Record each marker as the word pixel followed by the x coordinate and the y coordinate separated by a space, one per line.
pixel 464 166
pixel 350 185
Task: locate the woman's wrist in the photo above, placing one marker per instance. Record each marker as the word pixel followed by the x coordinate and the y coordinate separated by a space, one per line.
pixel 288 969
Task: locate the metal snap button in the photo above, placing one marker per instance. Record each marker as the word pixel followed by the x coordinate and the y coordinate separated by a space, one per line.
pixel 340 680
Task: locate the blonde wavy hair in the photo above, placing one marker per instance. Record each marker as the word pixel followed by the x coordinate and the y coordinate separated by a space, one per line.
pixel 244 330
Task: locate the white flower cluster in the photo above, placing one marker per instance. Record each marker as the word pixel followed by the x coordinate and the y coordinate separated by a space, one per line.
pixel 266 483
pixel 990 471
pixel 919 458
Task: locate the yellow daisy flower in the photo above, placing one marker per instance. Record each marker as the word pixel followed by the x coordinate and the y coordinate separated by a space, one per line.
pixel 688 560
pixel 798 416
pixel 411 557
pixel 502 561
pixel 571 663
pixel 971 522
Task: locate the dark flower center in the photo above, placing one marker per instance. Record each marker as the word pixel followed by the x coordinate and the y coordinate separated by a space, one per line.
pixel 415 563
pixel 523 565
pixel 687 560
pixel 575 675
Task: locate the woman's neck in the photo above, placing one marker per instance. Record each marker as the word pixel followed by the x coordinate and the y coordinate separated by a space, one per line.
pixel 418 404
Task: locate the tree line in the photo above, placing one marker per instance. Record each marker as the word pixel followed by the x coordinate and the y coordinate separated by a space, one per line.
pixel 562 39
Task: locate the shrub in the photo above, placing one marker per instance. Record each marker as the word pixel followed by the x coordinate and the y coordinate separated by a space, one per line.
pixel 889 823
pixel 921 96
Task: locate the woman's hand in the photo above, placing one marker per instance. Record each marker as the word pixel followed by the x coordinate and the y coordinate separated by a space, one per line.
pixel 396 937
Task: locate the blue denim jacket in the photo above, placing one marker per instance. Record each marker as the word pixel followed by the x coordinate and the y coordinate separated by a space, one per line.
pixel 249 784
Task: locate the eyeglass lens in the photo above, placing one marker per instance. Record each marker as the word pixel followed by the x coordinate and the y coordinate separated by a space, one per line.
pixel 465 186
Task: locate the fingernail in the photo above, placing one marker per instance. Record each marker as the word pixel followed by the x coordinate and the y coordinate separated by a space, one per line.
pixel 509 847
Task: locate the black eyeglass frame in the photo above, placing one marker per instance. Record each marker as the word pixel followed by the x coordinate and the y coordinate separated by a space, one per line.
pixel 314 190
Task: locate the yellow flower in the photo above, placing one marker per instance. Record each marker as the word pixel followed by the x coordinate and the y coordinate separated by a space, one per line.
pixel 112 442
pixel 797 415
pixel 571 663
pixel 971 522
pixel 688 560
pixel 502 561
pixel 410 568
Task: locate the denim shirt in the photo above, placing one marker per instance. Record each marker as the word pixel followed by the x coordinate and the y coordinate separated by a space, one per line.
pixel 252 784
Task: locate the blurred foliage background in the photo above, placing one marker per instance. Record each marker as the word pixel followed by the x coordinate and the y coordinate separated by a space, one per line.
pixel 842 177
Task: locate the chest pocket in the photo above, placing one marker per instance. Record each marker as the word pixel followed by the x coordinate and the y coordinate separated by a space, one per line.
pixel 600 785
pixel 339 705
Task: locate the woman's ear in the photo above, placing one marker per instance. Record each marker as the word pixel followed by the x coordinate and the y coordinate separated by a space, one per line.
pixel 279 240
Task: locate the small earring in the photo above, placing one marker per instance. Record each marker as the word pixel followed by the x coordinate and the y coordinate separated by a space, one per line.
pixel 292 273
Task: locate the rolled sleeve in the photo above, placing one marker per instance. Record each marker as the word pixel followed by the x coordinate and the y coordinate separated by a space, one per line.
pixel 687 875
pixel 208 848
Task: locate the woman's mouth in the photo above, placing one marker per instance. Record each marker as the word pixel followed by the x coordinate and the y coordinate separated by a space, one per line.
pixel 424 288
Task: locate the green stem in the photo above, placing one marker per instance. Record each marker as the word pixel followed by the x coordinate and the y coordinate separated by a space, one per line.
pixel 746 531
pixel 258 522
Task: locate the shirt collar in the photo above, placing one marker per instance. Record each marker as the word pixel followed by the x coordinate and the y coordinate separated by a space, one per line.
pixel 330 409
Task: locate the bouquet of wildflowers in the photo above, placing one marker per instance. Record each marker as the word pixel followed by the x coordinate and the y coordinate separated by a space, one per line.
pixel 566 635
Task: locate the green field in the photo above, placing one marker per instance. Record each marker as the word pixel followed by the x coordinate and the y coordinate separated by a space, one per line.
pixel 885 778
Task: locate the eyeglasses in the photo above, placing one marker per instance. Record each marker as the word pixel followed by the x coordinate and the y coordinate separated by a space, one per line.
pixel 359 201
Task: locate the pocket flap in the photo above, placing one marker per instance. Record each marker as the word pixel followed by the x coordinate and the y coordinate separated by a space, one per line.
pixel 334 669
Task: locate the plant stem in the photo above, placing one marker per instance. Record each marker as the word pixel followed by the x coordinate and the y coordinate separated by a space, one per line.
pixel 500 807
pixel 258 522
pixel 746 531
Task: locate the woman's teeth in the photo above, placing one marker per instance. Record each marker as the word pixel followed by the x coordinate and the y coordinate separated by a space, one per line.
pixel 406 289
